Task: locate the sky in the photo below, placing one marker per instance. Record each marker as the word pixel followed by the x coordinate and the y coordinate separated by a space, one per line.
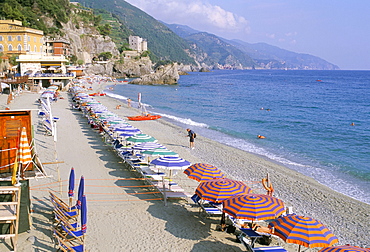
pixel 337 31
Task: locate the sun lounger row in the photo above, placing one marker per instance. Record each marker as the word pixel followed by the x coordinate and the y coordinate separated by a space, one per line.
pixel 115 131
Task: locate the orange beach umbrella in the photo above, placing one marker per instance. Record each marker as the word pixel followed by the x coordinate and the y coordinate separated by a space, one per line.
pixel 254 207
pixel 217 190
pixel 344 248
pixel 202 172
pixel 304 231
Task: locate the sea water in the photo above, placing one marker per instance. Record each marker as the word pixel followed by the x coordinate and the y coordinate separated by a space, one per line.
pixel 315 122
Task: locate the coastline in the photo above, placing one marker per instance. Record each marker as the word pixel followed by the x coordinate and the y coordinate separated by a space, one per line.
pixel 123 225
pixel 307 196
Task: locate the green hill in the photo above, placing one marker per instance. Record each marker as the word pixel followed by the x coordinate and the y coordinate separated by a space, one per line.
pixel 162 42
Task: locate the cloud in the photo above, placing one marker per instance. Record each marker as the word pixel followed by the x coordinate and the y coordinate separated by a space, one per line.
pixel 197 14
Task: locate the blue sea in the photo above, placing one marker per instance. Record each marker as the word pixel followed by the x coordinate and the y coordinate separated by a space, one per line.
pixel 306 117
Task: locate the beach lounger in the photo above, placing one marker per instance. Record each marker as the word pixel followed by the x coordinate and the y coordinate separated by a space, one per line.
pixel 264 249
pixel 47 126
pixel 243 239
pixel 206 206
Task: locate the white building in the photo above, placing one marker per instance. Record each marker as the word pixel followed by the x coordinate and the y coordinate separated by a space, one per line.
pixel 138 44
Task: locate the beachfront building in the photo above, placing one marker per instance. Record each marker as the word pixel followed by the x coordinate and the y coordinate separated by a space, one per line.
pixel 16 39
pixel 45 70
pixel 138 44
pixel 57 47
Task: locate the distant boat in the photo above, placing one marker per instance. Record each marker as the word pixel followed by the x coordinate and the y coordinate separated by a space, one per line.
pixel 319 80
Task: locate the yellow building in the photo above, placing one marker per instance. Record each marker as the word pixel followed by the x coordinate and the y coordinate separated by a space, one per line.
pixel 17 39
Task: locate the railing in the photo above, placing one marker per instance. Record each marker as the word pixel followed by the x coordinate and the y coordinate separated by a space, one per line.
pixel 15 80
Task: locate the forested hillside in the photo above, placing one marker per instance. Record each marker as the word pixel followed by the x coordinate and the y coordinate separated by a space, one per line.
pixel 162 42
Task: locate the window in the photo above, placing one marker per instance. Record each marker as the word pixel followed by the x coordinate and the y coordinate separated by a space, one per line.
pixel 9 38
pixel 19 38
pixel 1 38
pixel 10 48
pixel 19 48
pixel 35 48
pixel 34 39
pixel 1 48
pixel 29 38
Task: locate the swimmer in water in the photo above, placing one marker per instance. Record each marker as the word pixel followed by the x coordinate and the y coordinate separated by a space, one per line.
pixel 259 136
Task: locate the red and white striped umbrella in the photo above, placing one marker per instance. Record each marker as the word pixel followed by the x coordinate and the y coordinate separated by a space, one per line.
pixel 25 156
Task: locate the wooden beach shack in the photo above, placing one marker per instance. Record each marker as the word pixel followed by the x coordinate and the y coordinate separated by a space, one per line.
pixel 14 198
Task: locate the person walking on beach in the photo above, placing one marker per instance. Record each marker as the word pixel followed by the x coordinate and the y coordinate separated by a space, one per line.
pixel 191 135
pixel 128 102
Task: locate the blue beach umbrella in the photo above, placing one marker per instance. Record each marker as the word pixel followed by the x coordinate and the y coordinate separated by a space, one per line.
pixel 83 214
pixel 81 192
pixel 170 162
pixel 71 185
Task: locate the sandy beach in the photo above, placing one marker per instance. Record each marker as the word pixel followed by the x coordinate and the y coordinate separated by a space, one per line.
pixel 124 216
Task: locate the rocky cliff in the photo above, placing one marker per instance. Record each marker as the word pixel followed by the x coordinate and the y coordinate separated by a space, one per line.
pixel 167 74
pixel 132 67
pixel 86 41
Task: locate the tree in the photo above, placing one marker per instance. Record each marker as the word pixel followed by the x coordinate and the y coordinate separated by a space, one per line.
pixel 80 62
pixel 73 59
pixel 105 56
pixel 104 30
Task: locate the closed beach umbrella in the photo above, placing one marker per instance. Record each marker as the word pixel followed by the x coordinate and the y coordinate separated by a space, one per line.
pixel 71 185
pixel 254 207
pixel 217 190
pixel 202 172
pixel 344 248
pixel 83 214
pixel 304 231
pixel 25 156
pixel 81 192
pixel 160 152
pixel 147 146
pixel 140 138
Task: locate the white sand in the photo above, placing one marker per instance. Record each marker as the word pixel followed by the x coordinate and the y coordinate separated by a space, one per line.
pixel 120 221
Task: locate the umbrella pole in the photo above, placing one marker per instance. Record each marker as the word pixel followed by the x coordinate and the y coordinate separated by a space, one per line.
pixel 164 192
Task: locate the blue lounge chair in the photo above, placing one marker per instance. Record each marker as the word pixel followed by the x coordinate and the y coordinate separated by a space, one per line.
pixel 207 208
pixel 249 248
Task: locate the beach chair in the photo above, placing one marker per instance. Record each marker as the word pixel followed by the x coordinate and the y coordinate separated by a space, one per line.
pixel 68 232
pixel 62 207
pixel 68 245
pixel 47 126
pixel 206 207
pixel 243 239
pixel 60 217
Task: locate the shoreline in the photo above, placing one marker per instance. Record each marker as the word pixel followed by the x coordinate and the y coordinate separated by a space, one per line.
pixel 299 187
pixel 173 223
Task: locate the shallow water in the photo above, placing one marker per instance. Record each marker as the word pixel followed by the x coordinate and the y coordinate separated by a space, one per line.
pixel 306 118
